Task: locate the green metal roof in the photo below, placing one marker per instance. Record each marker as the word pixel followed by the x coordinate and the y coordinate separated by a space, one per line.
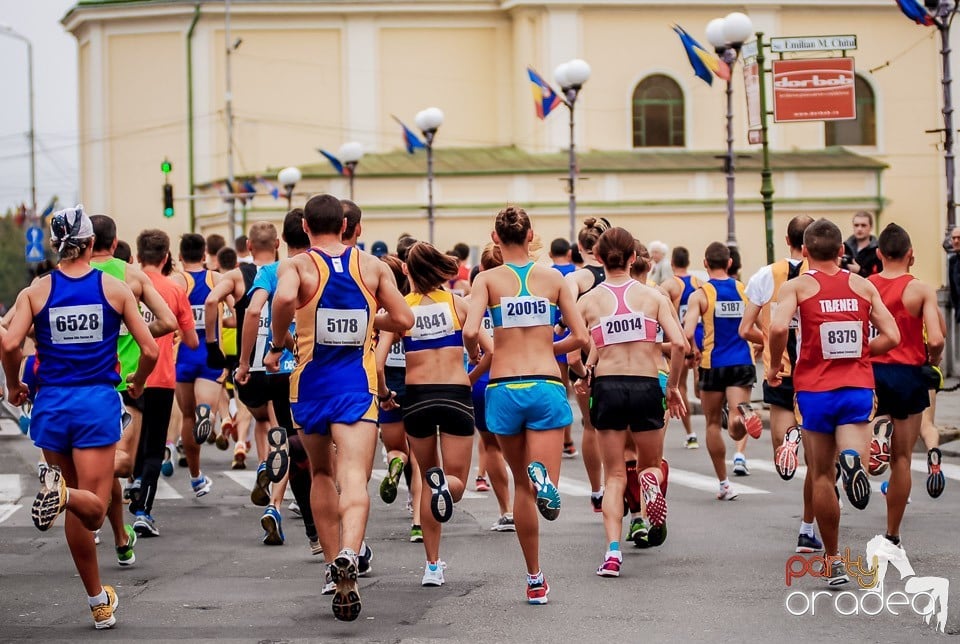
pixel 511 160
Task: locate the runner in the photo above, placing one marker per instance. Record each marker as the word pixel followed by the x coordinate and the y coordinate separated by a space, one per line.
pixel 352 213
pixel 198 386
pixel 833 378
pixel 762 291
pixel 438 396
pixel 526 402
pixel 76 313
pixel 680 288
pixel 726 364
pixel 624 381
pixel 581 281
pixel 153 249
pixel 334 291
pixel 900 384
pixel 560 252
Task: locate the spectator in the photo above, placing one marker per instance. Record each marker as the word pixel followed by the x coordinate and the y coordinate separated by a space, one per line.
pixel 462 252
pixel 352 213
pixel 379 249
pixel 953 273
pixel 660 272
pixel 243 252
pixel 860 249
pixel 214 244
pixel 575 256
pixel 561 254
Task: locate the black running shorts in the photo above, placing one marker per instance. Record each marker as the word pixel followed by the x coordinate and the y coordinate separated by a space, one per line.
pixel 133 403
pixel 627 402
pixel 901 390
pixel 719 378
pixel 781 396
pixel 263 388
pixel 428 409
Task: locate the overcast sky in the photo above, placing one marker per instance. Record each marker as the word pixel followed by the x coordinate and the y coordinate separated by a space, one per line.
pixel 55 87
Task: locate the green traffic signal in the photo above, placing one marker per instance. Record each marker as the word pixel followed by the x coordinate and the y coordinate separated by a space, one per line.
pixel 167 200
pixel 165 168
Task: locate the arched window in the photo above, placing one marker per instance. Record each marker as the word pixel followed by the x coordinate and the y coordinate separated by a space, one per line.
pixel 658 113
pixel 859 131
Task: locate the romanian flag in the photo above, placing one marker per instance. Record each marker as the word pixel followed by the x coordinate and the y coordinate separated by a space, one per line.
pixel 915 11
pixel 410 140
pixel 704 64
pixel 544 98
pixel 334 161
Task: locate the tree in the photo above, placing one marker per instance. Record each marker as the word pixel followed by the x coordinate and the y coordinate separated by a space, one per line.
pixel 15 273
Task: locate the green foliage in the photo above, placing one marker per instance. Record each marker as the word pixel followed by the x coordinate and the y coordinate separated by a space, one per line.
pixel 13 267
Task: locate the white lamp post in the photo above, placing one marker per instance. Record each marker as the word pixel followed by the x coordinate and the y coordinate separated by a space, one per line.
pixel 288 178
pixel 571 76
pixel 429 120
pixel 727 36
pixel 9 31
pixel 350 154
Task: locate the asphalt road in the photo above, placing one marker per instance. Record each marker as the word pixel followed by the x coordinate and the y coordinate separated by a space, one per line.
pixel 720 576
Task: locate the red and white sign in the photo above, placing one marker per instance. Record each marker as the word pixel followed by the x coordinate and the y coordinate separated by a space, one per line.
pixel 751 84
pixel 814 89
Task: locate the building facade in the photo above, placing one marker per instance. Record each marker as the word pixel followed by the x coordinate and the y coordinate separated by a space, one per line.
pixel 307 75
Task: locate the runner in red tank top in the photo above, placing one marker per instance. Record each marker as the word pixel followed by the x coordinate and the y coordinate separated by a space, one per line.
pixel 833 378
pixel 901 386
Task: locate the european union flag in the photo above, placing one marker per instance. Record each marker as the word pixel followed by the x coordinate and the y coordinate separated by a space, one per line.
pixel 544 98
pixel 410 140
pixel 334 161
pixel 913 10
pixel 700 58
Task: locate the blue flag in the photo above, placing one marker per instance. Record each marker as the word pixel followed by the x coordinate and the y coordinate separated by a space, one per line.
pixel 914 10
pixel 410 140
pixel 334 161
pixel 696 54
pixel 544 98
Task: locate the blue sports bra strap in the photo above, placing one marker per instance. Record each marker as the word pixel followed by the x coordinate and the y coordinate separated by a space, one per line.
pixel 522 273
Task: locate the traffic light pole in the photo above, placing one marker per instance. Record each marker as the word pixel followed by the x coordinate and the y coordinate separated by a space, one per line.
pixel 231 202
pixel 766 174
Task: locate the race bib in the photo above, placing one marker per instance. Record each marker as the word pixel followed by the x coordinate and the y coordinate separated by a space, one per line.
pixel 397 356
pixel 148 316
pixel 124 330
pixel 682 312
pixel 626 327
pixel 873 332
pixel 487 325
pixel 263 333
pixel 525 311
pixel 341 328
pixel 841 340
pixel 728 309
pixel 199 316
pixel 794 321
pixel 76 324
pixel 431 321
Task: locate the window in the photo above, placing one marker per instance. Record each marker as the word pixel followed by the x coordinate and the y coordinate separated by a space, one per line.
pixel 658 113
pixel 863 129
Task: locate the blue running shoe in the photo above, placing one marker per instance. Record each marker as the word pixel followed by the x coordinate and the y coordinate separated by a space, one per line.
pixel 808 543
pixel 548 496
pixel 441 503
pixel 166 467
pixel 201 487
pixel 855 481
pixel 272 528
pixel 260 494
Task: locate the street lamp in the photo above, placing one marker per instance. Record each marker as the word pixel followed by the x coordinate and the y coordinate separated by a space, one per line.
pixel 288 178
pixel 350 154
pixel 7 30
pixel 571 76
pixel 428 121
pixel 727 36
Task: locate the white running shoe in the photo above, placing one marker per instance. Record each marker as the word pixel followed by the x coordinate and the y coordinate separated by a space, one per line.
pixel 726 493
pixel 433 574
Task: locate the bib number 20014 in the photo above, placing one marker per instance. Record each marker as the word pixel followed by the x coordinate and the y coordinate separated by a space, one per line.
pixel 341 327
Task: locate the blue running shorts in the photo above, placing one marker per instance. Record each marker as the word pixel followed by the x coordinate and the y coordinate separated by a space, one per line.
pixel 190 372
pixel 76 417
pixel 824 411
pixel 316 414
pixel 526 402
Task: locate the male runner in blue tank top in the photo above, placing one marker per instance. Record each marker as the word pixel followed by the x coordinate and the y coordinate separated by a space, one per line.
pixel 76 313
pixel 335 291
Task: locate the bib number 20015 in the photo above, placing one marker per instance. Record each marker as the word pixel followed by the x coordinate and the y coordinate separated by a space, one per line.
pixel 341 327
pixel 525 311
pixel 76 324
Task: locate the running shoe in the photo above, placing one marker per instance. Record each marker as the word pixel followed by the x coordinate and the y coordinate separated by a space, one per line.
pixel 807 544
pixel 131 491
pixel 537 593
pixel 144 526
pixel 751 420
pixel 166 467
pixel 388 486
pixel 278 458
pixel 504 524
pixel 228 428
pixel 725 416
pixel 611 565
pixel 364 559
pixel 726 492
pixel 441 503
pixel 569 450
pixel 416 534
pixel 260 494
pixel 656 505
pixel 202 425
pixel 855 481
pixel 294 508
pixel 740 466
pixel 657 535
pixel 125 555
pixel 638 531
pixel 785 457
pixel 346 597
pixel 935 479
pixel 880 446
pixel 692 442
pixel 103 614
pixel 202 486
pixel 548 496
pixel 632 492
pixel 239 457
pixel 665 480
pixel 597 503
pixel 432 574
pixel 51 499
pixel 481 484
pixel 328 586
pixel 838 574
pixel 315 547
pixel 272 527
pixel 96 537
pixel 181 455
pixel 222 441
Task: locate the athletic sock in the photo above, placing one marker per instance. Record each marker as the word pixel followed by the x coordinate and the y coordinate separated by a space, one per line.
pixel 198 479
pixel 96 600
pixel 631 465
pixel 807 529
pixel 895 540
pixel 533 580
pixel 596 495
pixel 740 456
pixel 724 482
pixel 692 435
pixel 614 546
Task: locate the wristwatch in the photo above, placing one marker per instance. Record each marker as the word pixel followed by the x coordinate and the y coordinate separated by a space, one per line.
pixel 275 349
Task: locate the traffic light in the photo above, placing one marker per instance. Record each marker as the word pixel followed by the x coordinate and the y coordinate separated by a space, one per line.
pixel 167 200
pixel 166 167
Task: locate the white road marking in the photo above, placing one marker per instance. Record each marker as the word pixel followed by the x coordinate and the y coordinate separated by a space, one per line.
pixel 949 470
pixel 7 510
pixel 165 491
pixel 10 490
pixel 247 478
pixel 708 483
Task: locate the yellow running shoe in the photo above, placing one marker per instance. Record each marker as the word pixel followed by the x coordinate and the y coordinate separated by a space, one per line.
pixel 103 614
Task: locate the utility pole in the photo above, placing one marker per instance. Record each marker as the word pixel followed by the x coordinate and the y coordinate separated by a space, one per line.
pixel 231 202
